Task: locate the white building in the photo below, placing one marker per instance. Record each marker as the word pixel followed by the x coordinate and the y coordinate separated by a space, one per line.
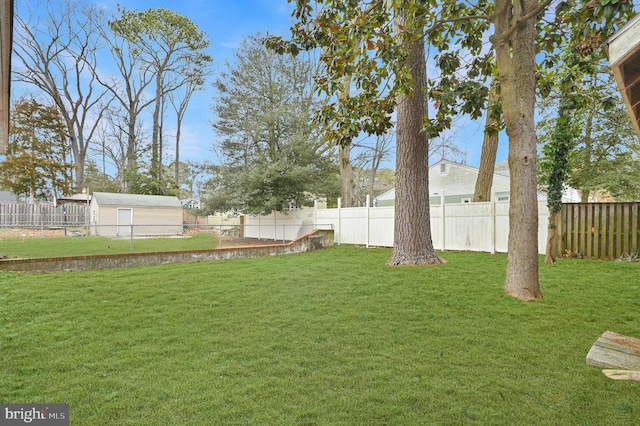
pixel 116 215
pixel 458 182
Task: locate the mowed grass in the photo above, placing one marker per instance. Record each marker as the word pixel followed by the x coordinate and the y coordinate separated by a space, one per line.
pixel 330 337
pixel 85 246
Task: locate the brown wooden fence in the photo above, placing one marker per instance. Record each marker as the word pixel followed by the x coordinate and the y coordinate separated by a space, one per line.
pixel 599 230
pixel 190 219
pixel 32 215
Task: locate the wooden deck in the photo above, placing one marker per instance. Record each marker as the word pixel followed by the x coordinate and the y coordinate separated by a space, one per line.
pixel 619 353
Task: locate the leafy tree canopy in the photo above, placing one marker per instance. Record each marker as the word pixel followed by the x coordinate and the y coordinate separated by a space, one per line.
pixel 97 181
pixel 272 155
pixel 36 163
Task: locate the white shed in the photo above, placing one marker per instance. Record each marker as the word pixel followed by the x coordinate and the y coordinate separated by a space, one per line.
pixel 117 215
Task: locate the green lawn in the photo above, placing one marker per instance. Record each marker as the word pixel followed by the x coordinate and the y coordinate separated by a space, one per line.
pixel 85 246
pixel 330 337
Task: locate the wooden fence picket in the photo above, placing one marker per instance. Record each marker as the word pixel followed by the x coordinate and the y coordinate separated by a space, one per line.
pixel 599 230
pixel 36 215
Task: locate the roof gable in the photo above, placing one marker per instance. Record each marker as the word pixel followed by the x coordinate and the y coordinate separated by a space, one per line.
pixel 135 200
pixel 456 178
pixel 389 194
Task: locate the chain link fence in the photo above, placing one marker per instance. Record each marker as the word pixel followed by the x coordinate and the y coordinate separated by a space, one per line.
pixel 213 232
pixel 153 237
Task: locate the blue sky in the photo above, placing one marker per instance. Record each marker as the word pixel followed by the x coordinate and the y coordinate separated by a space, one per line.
pixel 227 22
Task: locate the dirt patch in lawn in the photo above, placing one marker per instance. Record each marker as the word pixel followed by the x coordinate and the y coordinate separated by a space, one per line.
pixel 227 241
pixel 249 242
pixel 6 233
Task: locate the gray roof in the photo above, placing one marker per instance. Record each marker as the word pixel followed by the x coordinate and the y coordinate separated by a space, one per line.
pixel 7 197
pixel 75 198
pixel 135 200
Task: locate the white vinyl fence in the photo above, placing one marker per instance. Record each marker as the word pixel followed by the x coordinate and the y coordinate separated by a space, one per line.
pixel 467 227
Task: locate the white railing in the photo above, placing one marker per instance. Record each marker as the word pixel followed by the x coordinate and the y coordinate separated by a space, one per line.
pixel 480 227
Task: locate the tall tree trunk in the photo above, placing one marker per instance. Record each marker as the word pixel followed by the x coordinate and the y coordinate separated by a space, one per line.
pixel 375 164
pixel 346 175
pixel 412 243
pixel 130 166
pixel 346 169
pixel 155 131
pixel 79 168
pixel 558 149
pixel 588 147
pixel 176 171
pixel 78 152
pixel 552 233
pixel 515 57
pixel 484 181
pixel 160 142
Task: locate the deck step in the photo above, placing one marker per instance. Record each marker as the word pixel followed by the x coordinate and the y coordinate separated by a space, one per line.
pixel 619 353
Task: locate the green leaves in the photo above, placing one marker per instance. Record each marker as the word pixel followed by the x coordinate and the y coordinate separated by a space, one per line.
pixel 159 25
pixel 357 39
pixel 36 160
pixel 357 43
pixel 272 151
pixel 589 142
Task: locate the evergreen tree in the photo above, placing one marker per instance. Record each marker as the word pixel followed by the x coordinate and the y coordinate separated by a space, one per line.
pixel 272 155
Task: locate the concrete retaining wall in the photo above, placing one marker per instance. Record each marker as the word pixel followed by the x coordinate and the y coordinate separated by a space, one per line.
pixel 315 240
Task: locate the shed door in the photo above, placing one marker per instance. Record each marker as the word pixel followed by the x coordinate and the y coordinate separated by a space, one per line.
pixel 124 222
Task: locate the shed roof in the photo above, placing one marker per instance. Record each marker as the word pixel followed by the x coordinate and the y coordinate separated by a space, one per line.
pixel 623 49
pixel 135 200
pixel 75 199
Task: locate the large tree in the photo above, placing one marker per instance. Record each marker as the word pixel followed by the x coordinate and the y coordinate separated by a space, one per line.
pixel 272 155
pixel 37 158
pixel 515 48
pixel 493 125
pixel 453 27
pixel 412 243
pixel 387 65
pixel 173 49
pixel 122 137
pixel 56 52
pixel 601 152
pixel 522 30
pixel 578 87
